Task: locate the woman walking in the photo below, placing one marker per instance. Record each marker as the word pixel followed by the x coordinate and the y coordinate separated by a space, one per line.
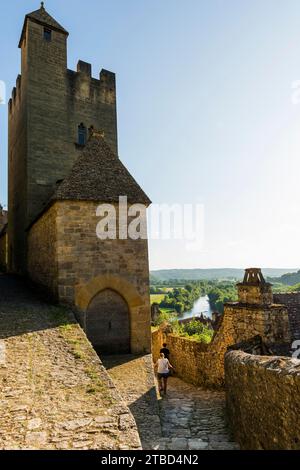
pixel 163 371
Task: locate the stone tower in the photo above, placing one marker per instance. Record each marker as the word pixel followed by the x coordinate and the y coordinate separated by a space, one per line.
pixel 254 290
pixel 255 313
pixel 50 113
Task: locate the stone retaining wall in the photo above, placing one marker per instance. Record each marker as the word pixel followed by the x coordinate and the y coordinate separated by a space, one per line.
pixel 262 400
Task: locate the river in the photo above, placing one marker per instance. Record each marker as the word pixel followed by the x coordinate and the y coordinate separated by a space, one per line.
pixel 200 306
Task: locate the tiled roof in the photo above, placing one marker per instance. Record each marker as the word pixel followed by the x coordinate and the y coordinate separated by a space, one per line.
pixel 42 16
pixel 99 175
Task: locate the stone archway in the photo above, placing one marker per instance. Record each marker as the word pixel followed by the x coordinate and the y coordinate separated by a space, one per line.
pixel 108 323
pixel 138 307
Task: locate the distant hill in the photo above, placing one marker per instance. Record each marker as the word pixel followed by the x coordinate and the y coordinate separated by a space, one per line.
pixel 289 279
pixel 211 274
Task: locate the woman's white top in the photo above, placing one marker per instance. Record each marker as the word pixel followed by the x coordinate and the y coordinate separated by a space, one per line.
pixel 163 366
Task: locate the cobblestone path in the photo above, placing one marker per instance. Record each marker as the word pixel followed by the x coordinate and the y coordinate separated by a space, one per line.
pixel 54 392
pixel 190 418
pixel 134 379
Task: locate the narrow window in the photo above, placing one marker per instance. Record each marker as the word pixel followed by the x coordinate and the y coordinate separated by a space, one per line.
pixel 47 34
pixel 81 134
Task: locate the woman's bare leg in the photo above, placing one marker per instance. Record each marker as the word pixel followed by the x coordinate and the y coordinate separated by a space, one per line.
pixel 165 384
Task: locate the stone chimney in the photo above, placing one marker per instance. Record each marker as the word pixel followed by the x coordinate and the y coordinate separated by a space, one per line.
pixel 254 290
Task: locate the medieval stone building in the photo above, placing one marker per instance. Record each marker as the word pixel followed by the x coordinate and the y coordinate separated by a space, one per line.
pixel 63 163
pixel 3 239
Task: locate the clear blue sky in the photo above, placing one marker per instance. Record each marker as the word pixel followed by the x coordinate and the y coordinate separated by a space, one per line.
pixel 205 113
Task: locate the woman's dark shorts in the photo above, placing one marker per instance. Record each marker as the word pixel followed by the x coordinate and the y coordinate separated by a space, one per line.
pixel 163 376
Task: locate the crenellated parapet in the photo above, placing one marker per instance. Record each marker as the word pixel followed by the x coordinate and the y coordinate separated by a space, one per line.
pixel 15 95
pixel 83 86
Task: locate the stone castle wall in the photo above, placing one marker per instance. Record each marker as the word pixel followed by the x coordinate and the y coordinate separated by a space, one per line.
pixel 3 251
pixel 42 255
pixel 48 104
pixel 203 365
pixel 85 265
pixel 292 302
pixel 262 400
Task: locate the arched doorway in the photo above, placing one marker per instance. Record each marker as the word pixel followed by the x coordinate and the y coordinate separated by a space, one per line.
pixel 108 323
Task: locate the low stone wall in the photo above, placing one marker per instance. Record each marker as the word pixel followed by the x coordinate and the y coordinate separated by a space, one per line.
pixel 192 360
pixel 203 364
pixel 262 400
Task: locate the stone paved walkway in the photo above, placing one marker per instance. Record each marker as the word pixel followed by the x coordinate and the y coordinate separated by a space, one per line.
pixel 134 379
pixel 190 418
pixel 54 392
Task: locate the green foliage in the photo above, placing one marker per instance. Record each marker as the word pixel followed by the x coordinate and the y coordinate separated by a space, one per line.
pixel 295 288
pixel 289 279
pixel 156 298
pixel 180 297
pixel 197 331
pixel 168 317
pixel 222 292
pixel 194 329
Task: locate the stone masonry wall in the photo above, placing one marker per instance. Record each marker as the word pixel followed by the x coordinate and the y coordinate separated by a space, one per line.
pixel 292 302
pixel 48 104
pixel 186 356
pixel 3 252
pixel 83 259
pixel 204 365
pixel 262 402
pixel 42 257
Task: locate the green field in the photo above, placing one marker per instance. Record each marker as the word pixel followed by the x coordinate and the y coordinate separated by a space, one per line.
pixel 156 298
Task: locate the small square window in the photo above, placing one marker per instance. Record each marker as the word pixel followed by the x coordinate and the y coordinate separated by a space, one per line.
pixel 47 34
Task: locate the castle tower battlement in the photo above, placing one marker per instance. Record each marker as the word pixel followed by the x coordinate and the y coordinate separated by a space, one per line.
pixel 50 112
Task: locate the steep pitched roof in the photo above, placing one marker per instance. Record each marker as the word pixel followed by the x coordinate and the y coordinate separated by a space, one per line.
pixel 42 17
pixel 99 175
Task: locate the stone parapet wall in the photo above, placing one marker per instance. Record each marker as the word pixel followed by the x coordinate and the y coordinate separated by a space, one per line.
pixel 262 400
pixel 242 321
